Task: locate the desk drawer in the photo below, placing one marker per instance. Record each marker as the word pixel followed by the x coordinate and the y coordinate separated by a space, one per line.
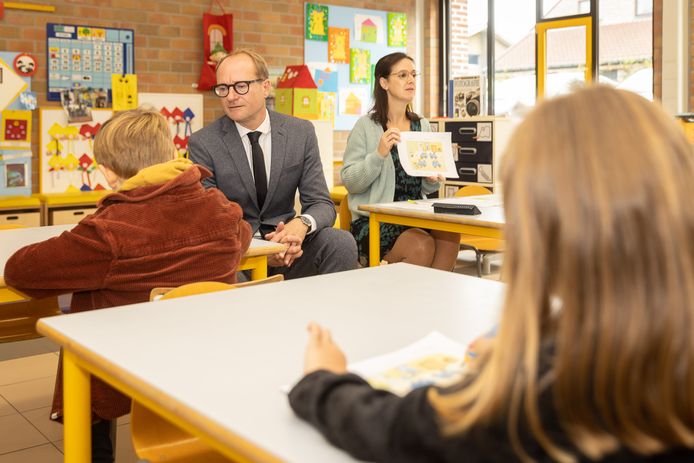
pixel 474 172
pixel 470 132
pixel 68 216
pixel 480 153
pixel 24 219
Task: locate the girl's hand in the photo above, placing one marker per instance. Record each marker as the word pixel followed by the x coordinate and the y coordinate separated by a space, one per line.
pixel 322 353
pixel 436 178
pixel 390 137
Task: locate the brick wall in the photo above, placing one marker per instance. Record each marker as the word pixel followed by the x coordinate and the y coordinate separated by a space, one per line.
pixel 168 39
pixel 458 24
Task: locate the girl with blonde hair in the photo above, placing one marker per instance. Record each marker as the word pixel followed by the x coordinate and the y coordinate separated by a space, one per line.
pixel 594 358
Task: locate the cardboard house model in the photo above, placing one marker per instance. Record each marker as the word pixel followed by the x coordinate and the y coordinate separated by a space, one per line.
pixel 297 93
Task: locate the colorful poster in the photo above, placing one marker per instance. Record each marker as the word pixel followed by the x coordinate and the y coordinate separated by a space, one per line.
pixel 397 30
pixel 316 22
pixel 326 81
pixel 360 66
pixel 338 45
pixel 368 28
pixel 327 106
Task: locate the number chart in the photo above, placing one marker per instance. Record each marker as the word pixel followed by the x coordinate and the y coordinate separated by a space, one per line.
pixel 84 56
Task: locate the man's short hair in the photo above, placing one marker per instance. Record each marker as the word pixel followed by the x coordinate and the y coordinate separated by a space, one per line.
pixel 259 61
pixel 132 140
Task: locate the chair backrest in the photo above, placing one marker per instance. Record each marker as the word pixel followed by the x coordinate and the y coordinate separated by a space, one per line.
pixel 202 287
pixel 473 190
pixel 345 214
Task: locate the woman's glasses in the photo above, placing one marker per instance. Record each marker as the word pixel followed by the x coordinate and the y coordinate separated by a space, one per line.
pixel 403 75
pixel 241 87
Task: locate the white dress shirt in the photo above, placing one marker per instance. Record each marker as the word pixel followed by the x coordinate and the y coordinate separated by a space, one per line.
pixel 265 142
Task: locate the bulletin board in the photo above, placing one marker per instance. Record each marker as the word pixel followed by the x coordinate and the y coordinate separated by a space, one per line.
pixel 184 111
pixel 372 34
pixel 66 150
pixel 66 156
pixel 86 56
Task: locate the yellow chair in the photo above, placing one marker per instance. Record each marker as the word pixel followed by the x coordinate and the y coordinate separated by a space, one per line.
pixel 18 319
pixel 154 438
pixel 344 215
pixel 481 245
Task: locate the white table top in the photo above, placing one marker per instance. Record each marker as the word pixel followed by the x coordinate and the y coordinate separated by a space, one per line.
pixel 225 355
pixel 13 239
pixel 490 206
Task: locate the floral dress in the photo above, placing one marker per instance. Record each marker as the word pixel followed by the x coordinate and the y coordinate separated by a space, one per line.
pixel 406 187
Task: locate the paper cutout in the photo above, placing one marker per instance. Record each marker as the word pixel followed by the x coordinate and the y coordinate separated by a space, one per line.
pixel 368 28
pixel 327 106
pixel 359 66
pixel 11 85
pixel 338 45
pixel 353 101
pixel 124 91
pixel 25 64
pixel 425 154
pixel 397 29
pixel 16 129
pixel 316 22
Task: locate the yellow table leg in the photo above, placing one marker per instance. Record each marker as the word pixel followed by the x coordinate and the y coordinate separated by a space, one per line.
pixel 77 410
pixel 260 270
pixel 374 240
pixel 256 264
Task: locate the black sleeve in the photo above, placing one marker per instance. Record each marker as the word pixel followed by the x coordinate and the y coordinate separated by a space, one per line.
pixel 368 423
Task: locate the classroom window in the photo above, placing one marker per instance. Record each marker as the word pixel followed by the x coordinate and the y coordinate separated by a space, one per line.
pixel 624 49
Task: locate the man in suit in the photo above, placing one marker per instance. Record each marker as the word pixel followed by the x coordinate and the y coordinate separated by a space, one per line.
pixel 259 159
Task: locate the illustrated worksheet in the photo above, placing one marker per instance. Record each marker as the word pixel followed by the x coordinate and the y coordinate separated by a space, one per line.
pixel 427 154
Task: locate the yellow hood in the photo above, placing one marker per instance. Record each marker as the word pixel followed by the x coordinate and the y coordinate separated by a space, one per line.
pixel 157 174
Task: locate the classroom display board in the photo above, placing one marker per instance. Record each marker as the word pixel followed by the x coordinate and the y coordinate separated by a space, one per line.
pixel 341 48
pixel 85 56
pixel 66 156
pixel 184 111
pixel 66 149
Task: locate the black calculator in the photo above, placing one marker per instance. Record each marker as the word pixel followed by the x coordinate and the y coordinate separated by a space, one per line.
pixel 450 208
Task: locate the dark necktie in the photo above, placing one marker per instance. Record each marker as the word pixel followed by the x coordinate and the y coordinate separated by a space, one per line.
pixel 258 168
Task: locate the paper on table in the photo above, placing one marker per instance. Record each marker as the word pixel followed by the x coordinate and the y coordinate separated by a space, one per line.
pixel 427 154
pixel 434 359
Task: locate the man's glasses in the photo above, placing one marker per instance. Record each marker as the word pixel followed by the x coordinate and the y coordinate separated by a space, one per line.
pixel 403 75
pixel 241 87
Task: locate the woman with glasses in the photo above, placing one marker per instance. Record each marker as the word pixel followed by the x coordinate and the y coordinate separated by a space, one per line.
pixel 594 357
pixel 372 172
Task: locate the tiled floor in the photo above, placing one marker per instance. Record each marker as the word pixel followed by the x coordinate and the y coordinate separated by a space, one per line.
pixel 27 377
pixel 27 435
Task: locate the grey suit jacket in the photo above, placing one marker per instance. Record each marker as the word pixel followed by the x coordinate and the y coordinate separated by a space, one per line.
pixel 295 165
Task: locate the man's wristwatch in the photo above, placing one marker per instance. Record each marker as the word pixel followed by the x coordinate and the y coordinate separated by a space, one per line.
pixel 306 221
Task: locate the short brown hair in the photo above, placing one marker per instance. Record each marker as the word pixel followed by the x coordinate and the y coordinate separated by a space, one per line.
pixel 259 61
pixel 132 140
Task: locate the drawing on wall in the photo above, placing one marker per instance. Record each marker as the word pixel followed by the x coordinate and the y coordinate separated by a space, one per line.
pixel 368 28
pixel 124 89
pixel 353 101
pixel 397 29
pixel 316 22
pixel 183 111
pixel 66 155
pixel 359 66
pixel 338 45
pixel 15 172
pixel 322 55
pixel 11 83
pixel 16 129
